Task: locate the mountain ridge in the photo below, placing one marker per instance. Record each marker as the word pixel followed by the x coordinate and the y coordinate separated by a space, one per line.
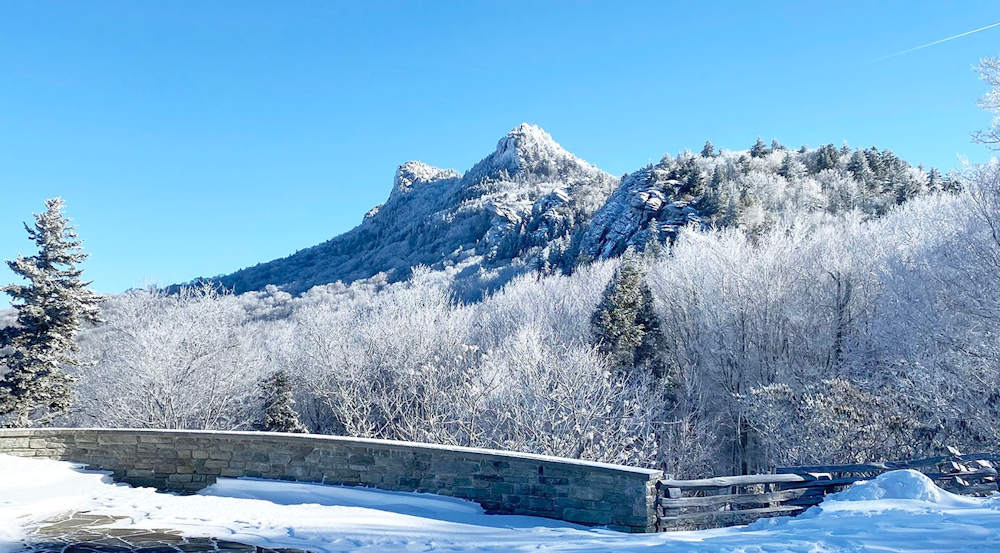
pixel 532 205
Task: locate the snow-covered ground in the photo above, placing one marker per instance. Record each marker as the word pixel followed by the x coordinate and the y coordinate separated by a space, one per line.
pixel 899 511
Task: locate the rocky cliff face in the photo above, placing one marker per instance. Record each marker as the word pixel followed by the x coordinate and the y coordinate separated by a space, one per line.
pixel 649 205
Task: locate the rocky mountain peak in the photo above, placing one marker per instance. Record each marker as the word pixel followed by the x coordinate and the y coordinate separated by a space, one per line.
pixel 415 173
pixel 529 150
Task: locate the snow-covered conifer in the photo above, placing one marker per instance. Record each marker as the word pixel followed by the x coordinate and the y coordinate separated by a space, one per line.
pixel 858 166
pixel 278 412
pixel 50 311
pixel 759 149
pixel 826 157
pixel 625 326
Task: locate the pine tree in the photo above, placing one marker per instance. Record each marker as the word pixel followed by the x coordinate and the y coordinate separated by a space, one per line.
pixel 654 242
pixel 708 150
pixel 50 311
pixel 775 145
pixel 858 166
pixel 826 157
pixel 876 163
pixel 934 180
pixel 650 349
pixel 625 325
pixel 759 149
pixel 791 168
pixel 278 411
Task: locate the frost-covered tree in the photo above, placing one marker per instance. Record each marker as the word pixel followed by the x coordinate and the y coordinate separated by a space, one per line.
pixel 759 149
pixel 708 150
pixel 858 166
pixel 989 71
pixel 278 405
pixel 51 308
pixel 826 157
pixel 184 360
pixel 625 326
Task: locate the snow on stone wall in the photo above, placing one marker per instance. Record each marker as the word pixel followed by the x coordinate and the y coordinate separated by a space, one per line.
pixel 502 482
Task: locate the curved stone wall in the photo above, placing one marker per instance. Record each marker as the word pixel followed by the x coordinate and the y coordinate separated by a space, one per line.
pixel 502 482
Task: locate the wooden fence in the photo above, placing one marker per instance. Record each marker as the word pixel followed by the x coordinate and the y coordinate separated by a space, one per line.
pixel 788 491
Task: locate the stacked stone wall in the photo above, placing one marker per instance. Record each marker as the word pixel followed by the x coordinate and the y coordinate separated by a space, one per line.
pixel 186 461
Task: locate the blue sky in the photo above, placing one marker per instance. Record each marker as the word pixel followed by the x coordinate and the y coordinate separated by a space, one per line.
pixel 197 138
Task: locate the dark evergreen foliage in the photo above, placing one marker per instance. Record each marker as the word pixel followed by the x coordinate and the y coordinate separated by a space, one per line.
pixel 50 311
pixel 278 406
pixel 625 325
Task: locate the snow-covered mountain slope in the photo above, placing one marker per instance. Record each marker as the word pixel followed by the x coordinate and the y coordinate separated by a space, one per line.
pixel 531 204
pixel 487 224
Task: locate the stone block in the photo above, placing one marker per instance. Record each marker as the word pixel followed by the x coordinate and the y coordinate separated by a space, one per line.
pixel 117 439
pixel 220 455
pixel 586 516
pixel 154 439
pixel 590 493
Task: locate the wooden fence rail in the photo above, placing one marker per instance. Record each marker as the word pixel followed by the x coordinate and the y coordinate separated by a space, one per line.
pixel 731 500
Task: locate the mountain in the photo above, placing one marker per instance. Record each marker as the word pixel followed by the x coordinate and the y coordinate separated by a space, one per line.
pixel 486 225
pixel 532 205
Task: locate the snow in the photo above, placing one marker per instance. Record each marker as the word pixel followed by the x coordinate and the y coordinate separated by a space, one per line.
pixel 898 511
pixel 900 484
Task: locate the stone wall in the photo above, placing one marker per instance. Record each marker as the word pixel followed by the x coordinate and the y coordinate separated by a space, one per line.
pixel 502 482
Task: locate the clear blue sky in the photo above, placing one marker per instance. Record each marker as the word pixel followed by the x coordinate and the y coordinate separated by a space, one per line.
pixel 195 138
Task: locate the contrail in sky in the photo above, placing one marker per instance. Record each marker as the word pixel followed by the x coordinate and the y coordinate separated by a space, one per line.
pixel 936 42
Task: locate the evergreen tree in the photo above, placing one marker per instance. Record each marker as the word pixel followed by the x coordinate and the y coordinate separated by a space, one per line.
pixel 654 241
pixel 50 311
pixel 718 177
pixel 625 325
pixel 934 179
pixel 278 411
pixel 708 150
pixel 826 157
pixel 649 353
pixel 743 165
pixel 791 168
pixel 858 166
pixel 759 149
pixel 907 187
pixel 876 163
pixel 775 145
